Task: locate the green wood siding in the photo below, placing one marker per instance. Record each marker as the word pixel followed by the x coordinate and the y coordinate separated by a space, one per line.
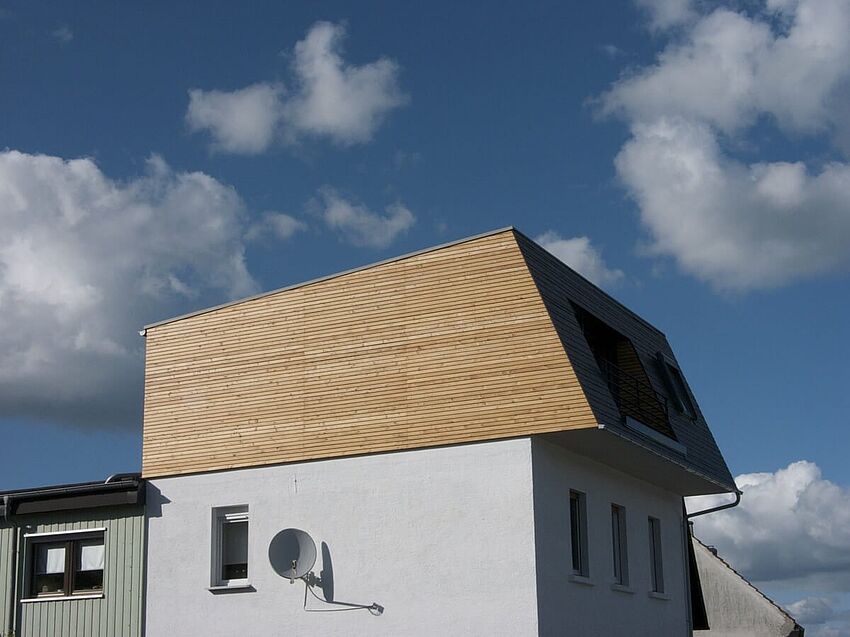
pixel 7 567
pixel 119 612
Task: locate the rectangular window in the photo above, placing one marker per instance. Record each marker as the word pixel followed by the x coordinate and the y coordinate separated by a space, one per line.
pixel 578 533
pixel 656 563
pixel 621 551
pixel 66 565
pixel 230 546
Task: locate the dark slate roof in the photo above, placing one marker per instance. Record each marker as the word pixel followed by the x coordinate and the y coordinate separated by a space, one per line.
pixel 561 288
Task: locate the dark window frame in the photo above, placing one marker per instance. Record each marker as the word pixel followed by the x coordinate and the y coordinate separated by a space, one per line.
pixel 656 558
pixel 578 534
pixel 677 387
pixel 620 544
pixel 71 544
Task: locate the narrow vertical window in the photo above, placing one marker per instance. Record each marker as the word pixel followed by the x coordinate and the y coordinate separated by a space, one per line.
pixel 620 546
pixel 578 533
pixel 656 563
pixel 230 546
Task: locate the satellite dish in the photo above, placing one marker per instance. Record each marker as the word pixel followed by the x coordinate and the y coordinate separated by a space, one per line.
pixel 292 553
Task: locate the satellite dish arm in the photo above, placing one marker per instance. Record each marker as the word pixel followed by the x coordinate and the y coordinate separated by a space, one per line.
pixel 374 608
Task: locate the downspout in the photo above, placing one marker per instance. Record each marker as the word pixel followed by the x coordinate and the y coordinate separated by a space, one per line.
pixel 688 554
pixel 11 627
pixel 728 505
pixel 687 570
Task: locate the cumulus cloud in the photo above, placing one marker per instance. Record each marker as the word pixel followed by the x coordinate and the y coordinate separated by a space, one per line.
pixel 822 616
pixel 330 99
pixel 792 527
pixel 358 225
pixel 581 256
pixel 85 261
pixel 736 224
pixel 811 610
pixel 341 101
pixel 243 121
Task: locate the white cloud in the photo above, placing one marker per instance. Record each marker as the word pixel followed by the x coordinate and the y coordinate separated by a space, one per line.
pixel 243 121
pixel 611 50
pixel 63 34
pixel 360 226
pixel 581 256
pixel 331 98
pixel 85 261
pixel 792 527
pixel 736 224
pixel 811 610
pixel 664 14
pixel 343 102
pixel 275 225
pixel 822 616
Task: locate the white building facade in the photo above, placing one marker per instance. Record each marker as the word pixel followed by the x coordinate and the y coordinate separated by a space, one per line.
pixel 470 540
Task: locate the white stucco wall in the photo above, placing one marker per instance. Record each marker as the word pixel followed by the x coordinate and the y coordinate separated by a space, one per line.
pixel 442 538
pixel 568 607
pixel 464 540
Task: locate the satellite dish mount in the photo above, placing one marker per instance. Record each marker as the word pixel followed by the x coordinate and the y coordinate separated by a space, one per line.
pixel 292 554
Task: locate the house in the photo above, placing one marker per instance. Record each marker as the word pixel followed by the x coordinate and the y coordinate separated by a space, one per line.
pixel 72 559
pixel 471 439
pixel 735 607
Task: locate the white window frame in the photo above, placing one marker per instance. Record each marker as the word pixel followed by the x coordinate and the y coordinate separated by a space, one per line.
pixel 620 545
pixel 220 517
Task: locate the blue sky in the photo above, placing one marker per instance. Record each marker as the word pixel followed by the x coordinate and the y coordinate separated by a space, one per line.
pixel 689 157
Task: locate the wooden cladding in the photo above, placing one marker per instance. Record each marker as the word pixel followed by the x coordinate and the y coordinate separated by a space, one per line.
pixel 447 346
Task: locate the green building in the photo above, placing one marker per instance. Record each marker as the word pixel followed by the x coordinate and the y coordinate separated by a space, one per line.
pixel 72 560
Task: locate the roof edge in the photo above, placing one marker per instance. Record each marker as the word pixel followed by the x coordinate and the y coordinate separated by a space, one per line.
pixel 604 292
pixel 76 488
pixel 643 443
pixel 328 277
pixel 121 490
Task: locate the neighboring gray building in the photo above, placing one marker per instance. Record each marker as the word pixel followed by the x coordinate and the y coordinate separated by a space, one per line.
pixel 735 607
pixel 72 560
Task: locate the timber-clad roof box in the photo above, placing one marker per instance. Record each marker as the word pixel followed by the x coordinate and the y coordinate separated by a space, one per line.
pixel 485 338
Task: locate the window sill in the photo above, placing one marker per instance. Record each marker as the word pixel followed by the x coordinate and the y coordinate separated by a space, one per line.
pixel 656 595
pixel 622 588
pixel 581 579
pixel 61 598
pixel 232 588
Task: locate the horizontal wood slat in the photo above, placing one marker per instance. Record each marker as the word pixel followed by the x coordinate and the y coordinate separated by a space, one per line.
pixel 448 346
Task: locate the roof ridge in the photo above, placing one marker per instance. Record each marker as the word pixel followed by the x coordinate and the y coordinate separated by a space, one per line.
pixel 327 277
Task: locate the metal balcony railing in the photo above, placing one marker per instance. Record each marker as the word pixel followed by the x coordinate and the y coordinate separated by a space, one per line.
pixel 636 399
